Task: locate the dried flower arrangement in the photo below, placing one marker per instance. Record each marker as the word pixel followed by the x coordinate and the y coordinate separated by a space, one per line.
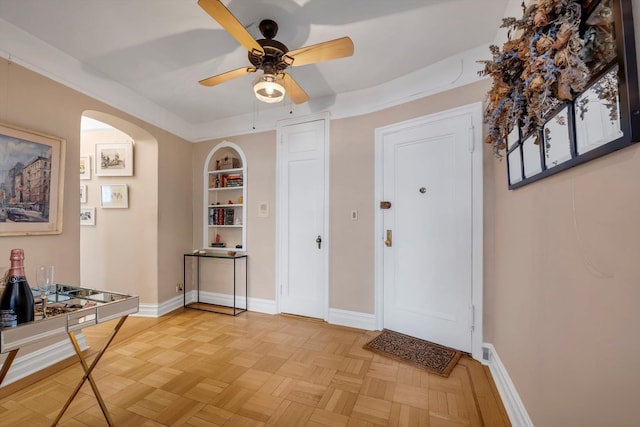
pixel 536 69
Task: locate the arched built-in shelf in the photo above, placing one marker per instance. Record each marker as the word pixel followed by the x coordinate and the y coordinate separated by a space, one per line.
pixel 225 199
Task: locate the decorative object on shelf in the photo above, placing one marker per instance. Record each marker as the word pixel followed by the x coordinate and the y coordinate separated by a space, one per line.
pixel 114 196
pixel 32 181
pixel 228 163
pixel 87 216
pixel 85 167
pixel 16 303
pixel 114 159
pixel 565 87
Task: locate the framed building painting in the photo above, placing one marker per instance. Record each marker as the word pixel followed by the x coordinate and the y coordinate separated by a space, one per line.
pixel 32 182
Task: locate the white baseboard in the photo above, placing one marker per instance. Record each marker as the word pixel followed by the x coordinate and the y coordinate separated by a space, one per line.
pixel 266 306
pixel 512 403
pixel 158 310
pixel 258 305
pixel 30 363
pixel 352 319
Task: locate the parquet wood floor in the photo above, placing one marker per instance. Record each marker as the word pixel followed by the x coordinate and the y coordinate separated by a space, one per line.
pixel 193 368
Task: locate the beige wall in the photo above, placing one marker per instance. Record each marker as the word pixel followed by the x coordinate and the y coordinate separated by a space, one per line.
pixel 561 275
pixel 560 254
pixel 32 101
pixel 352 187
pixel 562 288
pixel 260 151
pixel 114 252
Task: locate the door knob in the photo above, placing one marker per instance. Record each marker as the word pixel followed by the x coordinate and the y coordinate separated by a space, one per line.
pixel 319 241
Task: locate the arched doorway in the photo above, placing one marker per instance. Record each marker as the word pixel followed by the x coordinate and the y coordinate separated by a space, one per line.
pixel 118 252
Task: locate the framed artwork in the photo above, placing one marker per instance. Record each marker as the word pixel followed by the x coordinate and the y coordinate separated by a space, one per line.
pixel 85 167
pixel 114 159
pixel 87 216
pixel 83 194
pixel 32 182
pixel 565 88
pixel 114 196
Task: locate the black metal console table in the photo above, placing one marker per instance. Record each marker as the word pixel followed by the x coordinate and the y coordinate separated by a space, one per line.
pixel 232 310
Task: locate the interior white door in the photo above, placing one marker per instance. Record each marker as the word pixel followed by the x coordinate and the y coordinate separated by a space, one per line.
pixel 427 177
pixel 303 241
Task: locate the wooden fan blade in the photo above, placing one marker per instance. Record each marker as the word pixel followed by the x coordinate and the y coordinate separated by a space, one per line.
pixel 225 18
pixel 294 91
pixel 221 78
pixel 333 49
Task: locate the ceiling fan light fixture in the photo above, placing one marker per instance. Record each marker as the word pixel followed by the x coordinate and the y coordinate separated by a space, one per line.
pixel 269 88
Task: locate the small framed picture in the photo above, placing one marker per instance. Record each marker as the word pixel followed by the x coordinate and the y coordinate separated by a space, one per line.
pixel 85 167
pixel 114 196
pixel 114 159
pixel 83 194
pixel 87 216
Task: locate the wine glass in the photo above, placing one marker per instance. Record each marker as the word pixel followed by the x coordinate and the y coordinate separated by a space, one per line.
pixel 44 278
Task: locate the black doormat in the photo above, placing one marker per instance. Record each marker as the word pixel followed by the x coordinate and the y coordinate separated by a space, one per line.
pixel 433 357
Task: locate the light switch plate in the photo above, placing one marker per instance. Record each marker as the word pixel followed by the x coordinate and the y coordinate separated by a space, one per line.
pixel 263 209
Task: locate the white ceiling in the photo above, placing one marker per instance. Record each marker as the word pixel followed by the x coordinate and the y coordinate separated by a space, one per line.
pixel 146 56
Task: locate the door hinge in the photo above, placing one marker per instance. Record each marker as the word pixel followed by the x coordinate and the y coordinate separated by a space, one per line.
pixel 471 141
pixel 473 317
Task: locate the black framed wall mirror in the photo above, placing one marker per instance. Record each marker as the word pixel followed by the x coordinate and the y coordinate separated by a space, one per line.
pixel 602 118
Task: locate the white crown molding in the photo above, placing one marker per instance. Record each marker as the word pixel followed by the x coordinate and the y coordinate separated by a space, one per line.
pixel 20 47
pixel 30 52
pixel 455 71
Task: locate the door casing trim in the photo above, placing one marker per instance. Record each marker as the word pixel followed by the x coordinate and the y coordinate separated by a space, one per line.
pixel 474 111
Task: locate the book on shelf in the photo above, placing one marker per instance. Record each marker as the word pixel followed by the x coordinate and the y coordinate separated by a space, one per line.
pixel 221 180
pixel 233 180
pixel 228 216
pixel 221 216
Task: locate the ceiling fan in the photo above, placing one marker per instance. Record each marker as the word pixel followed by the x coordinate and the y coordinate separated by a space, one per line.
pixel 271 56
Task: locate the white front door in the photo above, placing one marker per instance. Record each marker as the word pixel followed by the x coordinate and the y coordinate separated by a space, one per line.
pixel 302 227
pixel 427 255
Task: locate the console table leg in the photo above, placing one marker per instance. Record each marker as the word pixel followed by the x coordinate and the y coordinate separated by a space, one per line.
pixel 87 375
pixel 7 364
